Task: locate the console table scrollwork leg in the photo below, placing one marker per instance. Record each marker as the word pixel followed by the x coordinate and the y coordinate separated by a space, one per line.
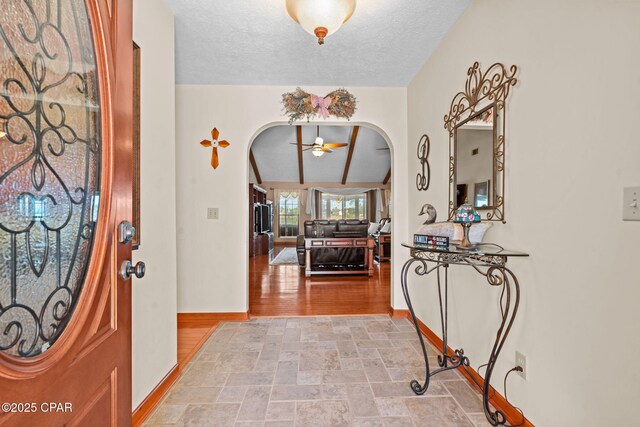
pixel 509 301
pixel 421 269
pixel 444 318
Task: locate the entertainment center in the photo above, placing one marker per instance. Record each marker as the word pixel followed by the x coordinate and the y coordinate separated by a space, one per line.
pixel 261 238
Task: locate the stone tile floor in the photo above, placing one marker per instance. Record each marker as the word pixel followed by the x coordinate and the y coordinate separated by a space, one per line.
pixel 315 371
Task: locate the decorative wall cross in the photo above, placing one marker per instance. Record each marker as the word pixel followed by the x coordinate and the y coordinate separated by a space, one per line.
pixel 215 134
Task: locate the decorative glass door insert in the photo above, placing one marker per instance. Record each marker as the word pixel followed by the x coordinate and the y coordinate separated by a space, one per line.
pixel 50 160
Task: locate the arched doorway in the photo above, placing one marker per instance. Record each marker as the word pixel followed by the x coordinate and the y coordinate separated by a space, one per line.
pixel 299 184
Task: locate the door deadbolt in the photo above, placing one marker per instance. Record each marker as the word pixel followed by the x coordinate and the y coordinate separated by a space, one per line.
pixel 127 232
pixel 127 270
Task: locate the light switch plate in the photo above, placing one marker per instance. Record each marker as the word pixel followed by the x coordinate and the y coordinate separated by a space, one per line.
pixel 631 204
pixel 212 213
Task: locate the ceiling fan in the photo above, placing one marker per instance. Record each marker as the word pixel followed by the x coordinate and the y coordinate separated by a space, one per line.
pixel 319 147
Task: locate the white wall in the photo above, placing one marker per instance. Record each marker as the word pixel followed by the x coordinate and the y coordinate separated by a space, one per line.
pixel 213 254
pixel 154 296
pixel 571 147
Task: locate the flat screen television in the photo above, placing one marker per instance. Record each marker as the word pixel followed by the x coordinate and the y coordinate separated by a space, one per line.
pixel 265 218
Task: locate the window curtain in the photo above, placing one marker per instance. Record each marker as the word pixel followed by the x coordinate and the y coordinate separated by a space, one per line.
pixel 313 196
pixel 386 199
pixel 376 205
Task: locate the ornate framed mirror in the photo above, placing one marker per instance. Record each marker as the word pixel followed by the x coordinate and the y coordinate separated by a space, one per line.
pixel 476 125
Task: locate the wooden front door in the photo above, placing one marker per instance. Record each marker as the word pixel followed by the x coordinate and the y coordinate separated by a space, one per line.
pixel 65 185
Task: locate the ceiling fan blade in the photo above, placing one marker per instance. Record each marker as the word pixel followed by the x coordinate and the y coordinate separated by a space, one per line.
pixel 304 145
pixel 386 148
pixel 205 143
pixel 224 143
pixel 214 158
pixel 307 149
pixel 215 133
pixel 335 145
pixel 327 150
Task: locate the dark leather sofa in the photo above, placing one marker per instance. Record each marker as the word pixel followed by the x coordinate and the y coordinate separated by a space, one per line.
pixel 324 228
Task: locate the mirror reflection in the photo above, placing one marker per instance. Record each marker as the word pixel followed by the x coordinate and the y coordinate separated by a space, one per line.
pixel 474 160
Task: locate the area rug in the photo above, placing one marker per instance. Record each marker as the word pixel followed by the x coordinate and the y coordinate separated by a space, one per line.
pixel 287 256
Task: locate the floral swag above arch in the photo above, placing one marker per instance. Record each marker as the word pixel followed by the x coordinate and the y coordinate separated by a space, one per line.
pixel 300 104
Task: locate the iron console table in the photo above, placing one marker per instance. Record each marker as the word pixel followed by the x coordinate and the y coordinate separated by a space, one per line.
pixel 489 261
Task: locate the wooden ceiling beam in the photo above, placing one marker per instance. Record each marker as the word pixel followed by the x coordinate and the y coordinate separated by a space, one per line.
pixel 352 145
pixel 254 166
pixel 387 177
pixel 300 161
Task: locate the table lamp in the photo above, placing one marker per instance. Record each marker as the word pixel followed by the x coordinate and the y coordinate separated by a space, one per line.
pixel 466 215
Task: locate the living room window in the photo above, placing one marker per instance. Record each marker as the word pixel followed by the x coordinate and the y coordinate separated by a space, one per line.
pixel 344 207
pixel 288 213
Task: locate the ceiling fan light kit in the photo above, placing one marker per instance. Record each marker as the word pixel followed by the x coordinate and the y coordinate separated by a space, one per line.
pixel 320 18
pixel 318 148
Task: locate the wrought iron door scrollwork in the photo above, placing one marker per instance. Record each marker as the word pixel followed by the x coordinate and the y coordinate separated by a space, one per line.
pixel 423 180
pixel 49 168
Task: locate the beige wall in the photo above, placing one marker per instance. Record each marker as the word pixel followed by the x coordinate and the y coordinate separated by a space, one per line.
pixel 154 296
pixel 571 147
pixel 213 254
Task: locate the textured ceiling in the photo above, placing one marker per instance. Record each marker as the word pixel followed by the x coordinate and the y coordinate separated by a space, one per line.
pixel 255 42
pixel 277 158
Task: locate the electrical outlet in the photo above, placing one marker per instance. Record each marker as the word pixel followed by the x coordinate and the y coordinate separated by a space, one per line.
pixel 212 213
pixel 521 360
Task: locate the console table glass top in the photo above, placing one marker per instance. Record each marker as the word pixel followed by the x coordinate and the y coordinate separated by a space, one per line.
pixel 482 249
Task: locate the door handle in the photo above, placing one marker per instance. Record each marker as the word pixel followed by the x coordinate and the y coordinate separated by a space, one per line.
pixel 127 232
pixel 127 270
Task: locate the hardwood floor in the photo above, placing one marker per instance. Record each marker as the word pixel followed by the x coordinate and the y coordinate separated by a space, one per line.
pixel 282 290
pixel 191 336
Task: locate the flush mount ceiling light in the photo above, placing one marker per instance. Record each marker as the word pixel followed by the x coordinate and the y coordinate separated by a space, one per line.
pixel 321 18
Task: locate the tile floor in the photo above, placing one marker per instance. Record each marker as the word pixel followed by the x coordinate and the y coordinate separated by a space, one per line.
pixel 315 371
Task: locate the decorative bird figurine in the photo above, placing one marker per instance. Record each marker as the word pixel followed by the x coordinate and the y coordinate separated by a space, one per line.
pixel 431 213
pixel 215 134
